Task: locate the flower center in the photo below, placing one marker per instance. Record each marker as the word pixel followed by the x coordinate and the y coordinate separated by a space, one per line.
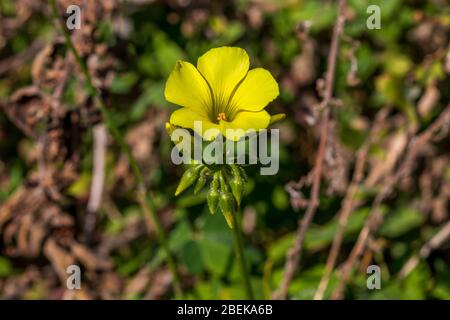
pixel 221 116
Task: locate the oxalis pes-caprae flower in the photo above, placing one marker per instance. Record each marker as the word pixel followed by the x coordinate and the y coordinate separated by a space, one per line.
pixel 228 100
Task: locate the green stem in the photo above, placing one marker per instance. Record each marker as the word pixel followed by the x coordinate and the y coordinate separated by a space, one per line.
pixel 145 201
pixel 241 257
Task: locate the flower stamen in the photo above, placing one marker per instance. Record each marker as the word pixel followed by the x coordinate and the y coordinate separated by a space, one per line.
pixel 221 116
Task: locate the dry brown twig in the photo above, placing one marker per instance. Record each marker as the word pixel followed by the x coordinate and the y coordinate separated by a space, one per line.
pixel 15 62
pixel 435 242
pixel 349 203
pixel 294 254
pixel 415 146
pixel 98 179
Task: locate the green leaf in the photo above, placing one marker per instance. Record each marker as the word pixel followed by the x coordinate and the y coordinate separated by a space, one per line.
pixel 191 256
pixel 180 236
pixel 153 95
pixel 124 82
pixel 280 198
pixel 5 267
pixel 320 236
pixel 215 255
pixel 400 222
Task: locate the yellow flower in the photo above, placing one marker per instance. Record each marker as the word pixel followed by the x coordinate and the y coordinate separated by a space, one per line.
pixel 221 92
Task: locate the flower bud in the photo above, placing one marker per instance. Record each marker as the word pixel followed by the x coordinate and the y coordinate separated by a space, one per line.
pixel 170 128
pixel 237 184
pixel 188 178
pixel 223 184
pixel 242 172
pixel 226 201
pixel 213 194
pixel 226 204
pixel 201 180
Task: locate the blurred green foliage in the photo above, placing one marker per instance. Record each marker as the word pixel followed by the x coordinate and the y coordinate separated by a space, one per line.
pixel 389 70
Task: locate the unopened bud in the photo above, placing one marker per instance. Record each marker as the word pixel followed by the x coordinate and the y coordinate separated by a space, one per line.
pixel 237 184
pixel 201 180
pixel 242 173
pixel 213 194
pixel 188 178
pixel 226 204
pixel 226 201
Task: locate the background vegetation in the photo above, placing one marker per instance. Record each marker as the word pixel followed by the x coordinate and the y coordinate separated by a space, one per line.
pixel 391 90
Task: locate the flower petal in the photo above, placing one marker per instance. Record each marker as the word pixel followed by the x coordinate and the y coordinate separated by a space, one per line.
pixel 246 121
pixel 256 91
pixel 223 68
pixel 186 87
pixel 276 117
pixel 186 117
